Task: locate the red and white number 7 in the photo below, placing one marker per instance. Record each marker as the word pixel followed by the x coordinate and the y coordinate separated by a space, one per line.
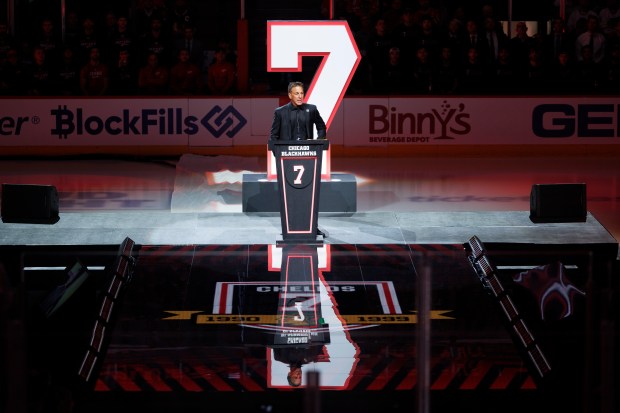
pixel 289 41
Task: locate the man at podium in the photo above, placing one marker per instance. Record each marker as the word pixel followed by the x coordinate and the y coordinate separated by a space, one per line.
pixel 296 119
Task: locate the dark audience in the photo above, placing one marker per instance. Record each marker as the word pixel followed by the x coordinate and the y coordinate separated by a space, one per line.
pixel 124 74
pixel 41 76
pixel 87 39
pixel 153 77
pixel 408 47
pixel 68 73
pixel 185 77
pixel 221 75
pixel 94 75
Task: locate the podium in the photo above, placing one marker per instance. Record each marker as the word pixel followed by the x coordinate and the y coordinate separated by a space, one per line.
pixel 298 166
pixel 299 318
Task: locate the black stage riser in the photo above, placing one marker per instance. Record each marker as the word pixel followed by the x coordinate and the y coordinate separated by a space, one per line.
pixel 337 195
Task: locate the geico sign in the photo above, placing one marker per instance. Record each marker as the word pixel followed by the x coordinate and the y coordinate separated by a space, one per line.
pixel 583 121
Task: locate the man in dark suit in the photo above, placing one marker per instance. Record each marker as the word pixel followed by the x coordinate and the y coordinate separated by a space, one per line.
pixel 296 357
pixel 295 120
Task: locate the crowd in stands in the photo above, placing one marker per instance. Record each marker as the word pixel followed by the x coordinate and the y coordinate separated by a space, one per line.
pixel 408 47
pixel 429 49
pixel 153 52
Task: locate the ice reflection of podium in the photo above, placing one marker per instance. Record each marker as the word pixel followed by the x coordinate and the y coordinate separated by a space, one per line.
pixel 299 317
pixel 310 332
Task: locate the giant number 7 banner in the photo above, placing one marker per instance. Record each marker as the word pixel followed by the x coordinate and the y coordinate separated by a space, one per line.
pixel 289 41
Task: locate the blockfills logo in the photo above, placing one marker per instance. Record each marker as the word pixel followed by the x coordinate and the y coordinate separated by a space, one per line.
pixel 146 121
pixel 402 126
pixel 219 121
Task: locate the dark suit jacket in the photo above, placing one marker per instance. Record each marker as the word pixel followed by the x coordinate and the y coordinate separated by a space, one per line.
pixel 297 356
pixel 196 55
pixel 281 126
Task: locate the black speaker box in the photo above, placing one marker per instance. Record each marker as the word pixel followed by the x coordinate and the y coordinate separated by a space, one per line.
pixel 558 203
pixel 29 204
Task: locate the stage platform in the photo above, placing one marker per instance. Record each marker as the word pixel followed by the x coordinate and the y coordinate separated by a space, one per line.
pixel 166 228
pixel 195 321
pixel 195 248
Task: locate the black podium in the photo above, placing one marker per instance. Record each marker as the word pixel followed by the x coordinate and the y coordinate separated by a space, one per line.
pixel 298 165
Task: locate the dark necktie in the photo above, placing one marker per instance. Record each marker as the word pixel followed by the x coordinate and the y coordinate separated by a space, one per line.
pixel 297 135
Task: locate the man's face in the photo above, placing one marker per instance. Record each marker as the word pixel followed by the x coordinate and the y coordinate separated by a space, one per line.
pixel 427 25
pixel 296 95
pixel 422 54
pixel 592 25
pixel 446 53
pixel 88 24
pixel 394 54
pixel 48 26
pixel 39 56
pixel 380 27
pixel 489 24
pixel 94 54
pixel 454 26
pixel 472 28
pixel 110 20
pixel 295 376
pixel 472 54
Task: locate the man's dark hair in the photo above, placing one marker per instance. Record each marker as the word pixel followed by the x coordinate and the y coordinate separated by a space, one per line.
pixel 295 84
pixel 291 383
pixel 293 366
